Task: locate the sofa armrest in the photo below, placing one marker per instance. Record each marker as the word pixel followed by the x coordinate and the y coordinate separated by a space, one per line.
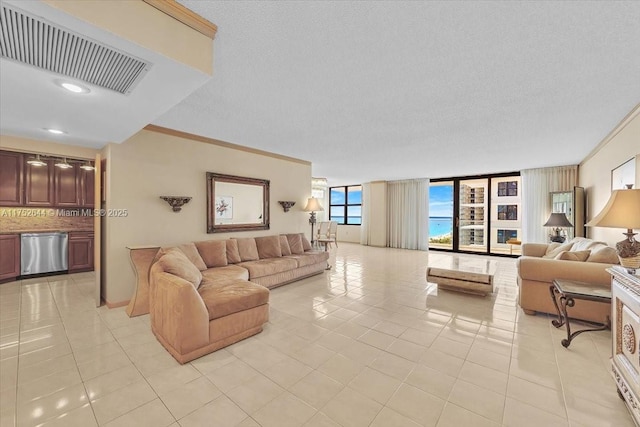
pixel 177 312
pixel 534 249
pixel 546 270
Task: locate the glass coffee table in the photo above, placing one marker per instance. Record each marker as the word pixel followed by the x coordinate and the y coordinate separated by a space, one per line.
pixel 565 293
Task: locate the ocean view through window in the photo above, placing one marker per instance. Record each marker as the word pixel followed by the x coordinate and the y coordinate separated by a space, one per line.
pixel 345 204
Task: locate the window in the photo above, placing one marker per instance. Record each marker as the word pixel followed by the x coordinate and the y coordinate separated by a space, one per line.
pixel 504 235
pixel 508 212
pixel 508 188
pixel 345 204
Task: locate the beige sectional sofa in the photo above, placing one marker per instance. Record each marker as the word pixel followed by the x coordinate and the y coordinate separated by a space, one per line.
pixel 207 295
pixel 582 260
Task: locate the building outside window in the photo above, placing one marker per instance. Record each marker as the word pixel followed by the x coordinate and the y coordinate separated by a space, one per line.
pixel 346 204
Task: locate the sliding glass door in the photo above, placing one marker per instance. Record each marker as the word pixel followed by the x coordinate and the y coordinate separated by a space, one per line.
pixel 473 215
pixel 480 214
pixel 441 215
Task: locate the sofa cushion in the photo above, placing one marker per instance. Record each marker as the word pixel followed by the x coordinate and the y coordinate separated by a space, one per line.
pixel 177 263
pixel 284 245
pixel 190 250
pixel 229 272
pixel 309 258
pixel 305 242
pixel 228 297
pixel 233 255
pixel 604 254
pixel 248 249
pixel 268 247
pixel 295 243
pixel 213 252
pixel 267 267
pixel 574 255
pixel 554 249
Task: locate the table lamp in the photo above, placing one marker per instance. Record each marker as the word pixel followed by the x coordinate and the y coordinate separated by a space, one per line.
pixel 313 206
pixel 623 211
pixel 557 220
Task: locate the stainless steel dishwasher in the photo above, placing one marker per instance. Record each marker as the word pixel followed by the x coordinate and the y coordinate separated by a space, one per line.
pixel 43 252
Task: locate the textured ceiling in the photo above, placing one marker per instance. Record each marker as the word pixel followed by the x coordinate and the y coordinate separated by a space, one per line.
pixel 392 90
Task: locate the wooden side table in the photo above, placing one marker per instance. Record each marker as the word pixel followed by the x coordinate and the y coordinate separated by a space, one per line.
pixel 566 292
pixel 141 259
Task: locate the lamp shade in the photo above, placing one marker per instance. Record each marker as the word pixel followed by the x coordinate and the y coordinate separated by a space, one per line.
pixel 621 211
pixel 558 219
pixel 313 205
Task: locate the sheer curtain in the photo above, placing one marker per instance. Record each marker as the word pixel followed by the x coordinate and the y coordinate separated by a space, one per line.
pixel 536 186
pixel 408 214
pixel 365 231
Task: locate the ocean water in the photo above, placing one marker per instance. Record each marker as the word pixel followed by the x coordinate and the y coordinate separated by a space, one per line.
pixel 440 225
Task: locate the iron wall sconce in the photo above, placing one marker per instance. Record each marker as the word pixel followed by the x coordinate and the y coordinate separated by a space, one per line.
pixel 287 205
pixel 176 202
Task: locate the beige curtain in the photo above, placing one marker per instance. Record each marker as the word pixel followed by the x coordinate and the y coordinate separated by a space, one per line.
pixel 536 200
pixel 408 214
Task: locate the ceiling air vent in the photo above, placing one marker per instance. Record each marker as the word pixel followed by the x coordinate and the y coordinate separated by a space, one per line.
pixel 33 41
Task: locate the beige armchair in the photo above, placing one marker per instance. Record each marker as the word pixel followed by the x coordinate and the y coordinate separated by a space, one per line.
pixel 333 232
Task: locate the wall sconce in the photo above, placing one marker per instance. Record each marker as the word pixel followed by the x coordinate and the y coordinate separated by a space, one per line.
pixel 286 205
pixel 176 202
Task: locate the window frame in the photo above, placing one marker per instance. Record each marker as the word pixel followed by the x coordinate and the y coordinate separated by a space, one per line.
pixel 344 208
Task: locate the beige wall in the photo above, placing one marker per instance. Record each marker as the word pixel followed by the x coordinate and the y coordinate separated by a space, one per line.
pixel 152 164
pixel 595 171
pixel 349 233
pixel 378 221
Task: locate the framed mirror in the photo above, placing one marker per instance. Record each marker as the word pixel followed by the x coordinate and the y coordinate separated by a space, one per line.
pixel 236 203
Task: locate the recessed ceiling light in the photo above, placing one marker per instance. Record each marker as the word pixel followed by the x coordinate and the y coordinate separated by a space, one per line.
pixel 72 87
pixel 55 131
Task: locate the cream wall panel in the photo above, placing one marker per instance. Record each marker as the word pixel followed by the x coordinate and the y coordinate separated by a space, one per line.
pixel 595 172
pixel 378 229
pixel 349 233
pixel 152 164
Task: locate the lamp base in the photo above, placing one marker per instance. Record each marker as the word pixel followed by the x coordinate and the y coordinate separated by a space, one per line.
pixel 629 254
pixel 557 238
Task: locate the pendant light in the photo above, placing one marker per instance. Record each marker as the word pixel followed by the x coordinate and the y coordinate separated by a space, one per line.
pixel 36 161
pixel 63 164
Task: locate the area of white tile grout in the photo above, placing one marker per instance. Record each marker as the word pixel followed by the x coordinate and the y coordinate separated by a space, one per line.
pixel 368 343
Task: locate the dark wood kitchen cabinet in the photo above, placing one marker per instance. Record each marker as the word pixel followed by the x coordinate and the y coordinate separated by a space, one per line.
pixel 80 251
pixel 67 188
pixel 11 178
pixel 38 184
pixel 86 184
pixel 9 256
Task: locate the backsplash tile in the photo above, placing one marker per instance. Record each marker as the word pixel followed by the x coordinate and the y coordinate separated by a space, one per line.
pixel 14 219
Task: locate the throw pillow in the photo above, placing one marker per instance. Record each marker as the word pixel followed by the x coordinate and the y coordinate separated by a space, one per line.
pixel 190 250
pixel 248 249
pixel 269 247
pixel 604 254
pixel 213 252
pixel 573 255
pixel 295 243
pixel 177 263
pixel 554 249
pixel 233 254
pixel 305 243
pixel 284 245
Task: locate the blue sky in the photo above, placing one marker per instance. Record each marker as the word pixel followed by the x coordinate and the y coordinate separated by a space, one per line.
pixel 441 200
pixel 337 196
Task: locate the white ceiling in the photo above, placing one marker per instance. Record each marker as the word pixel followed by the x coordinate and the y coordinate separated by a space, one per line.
pixel 30 100
pixel 369 90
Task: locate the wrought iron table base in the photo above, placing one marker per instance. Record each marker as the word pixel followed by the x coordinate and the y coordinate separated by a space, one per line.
pixel 563 318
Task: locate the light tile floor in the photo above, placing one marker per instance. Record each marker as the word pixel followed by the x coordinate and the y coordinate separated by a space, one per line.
pixel 369 343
